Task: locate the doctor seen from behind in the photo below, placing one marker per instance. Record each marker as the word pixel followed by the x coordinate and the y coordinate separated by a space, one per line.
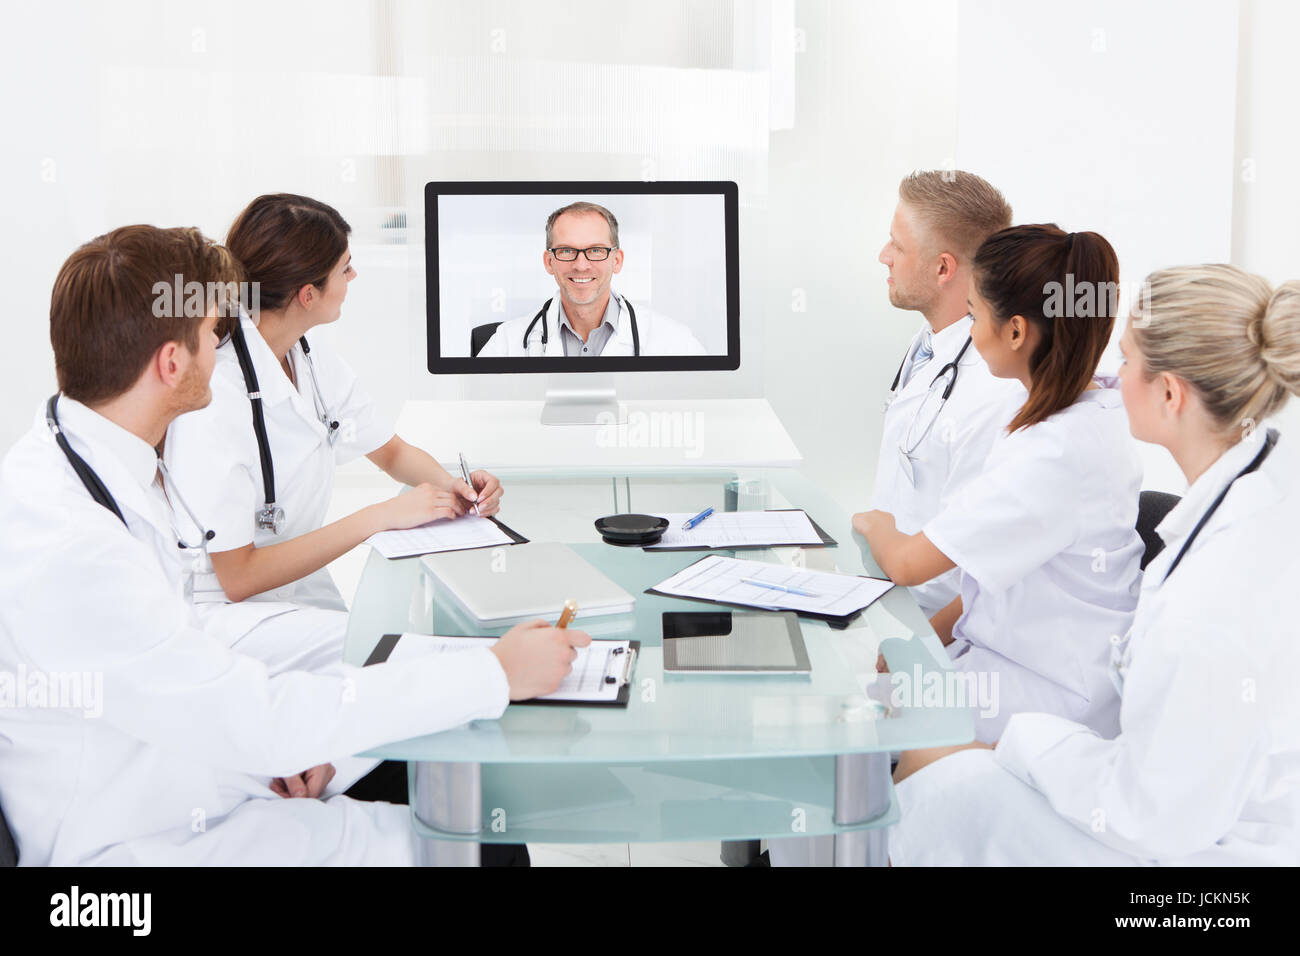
pixel 1203 768
pixel 163 746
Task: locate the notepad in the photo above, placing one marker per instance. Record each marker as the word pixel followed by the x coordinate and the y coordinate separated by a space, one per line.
pixel 739 529
pixel 720 579
pixel 446 534
pixel 599 674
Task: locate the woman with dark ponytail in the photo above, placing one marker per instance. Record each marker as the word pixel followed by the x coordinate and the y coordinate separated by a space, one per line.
pixel 1045 536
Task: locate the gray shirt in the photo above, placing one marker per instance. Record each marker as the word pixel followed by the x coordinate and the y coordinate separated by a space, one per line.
pixel 599 337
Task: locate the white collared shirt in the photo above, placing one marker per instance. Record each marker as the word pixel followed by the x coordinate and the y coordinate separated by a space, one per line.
pixel 953 451
pixel 213 454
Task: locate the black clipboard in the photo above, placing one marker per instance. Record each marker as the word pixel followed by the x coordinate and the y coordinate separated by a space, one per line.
pixel 836 622
pixel 514 536
pixel 387 642
pixel 826 542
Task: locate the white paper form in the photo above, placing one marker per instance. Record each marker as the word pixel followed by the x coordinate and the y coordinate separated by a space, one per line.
pixel 716 578
pixel 446 534
pixel 585 682
pixel 739 529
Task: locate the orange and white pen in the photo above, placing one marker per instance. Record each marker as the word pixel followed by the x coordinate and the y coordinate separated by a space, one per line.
pixel 570 609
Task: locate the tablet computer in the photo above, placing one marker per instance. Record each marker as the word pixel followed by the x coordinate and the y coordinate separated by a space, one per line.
pixel 734 642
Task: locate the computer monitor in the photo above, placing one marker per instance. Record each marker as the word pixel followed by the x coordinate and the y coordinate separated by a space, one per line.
pixel 635 276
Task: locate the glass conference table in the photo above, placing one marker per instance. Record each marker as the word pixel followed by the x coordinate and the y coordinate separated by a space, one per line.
pixel 692 757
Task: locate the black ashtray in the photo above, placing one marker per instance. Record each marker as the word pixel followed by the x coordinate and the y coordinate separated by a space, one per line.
pixel 631 530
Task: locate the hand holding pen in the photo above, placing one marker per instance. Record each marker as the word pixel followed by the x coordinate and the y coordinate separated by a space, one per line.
pixel 482 489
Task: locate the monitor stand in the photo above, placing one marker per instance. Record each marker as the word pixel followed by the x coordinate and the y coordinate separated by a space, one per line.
pixel 582 406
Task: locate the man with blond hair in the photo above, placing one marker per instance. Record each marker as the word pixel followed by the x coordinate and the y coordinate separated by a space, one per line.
pixel 945 408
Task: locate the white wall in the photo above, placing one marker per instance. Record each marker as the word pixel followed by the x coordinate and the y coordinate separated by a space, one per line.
pixel 179 112
pixel 875 98
pixel 1266 186
pixel 1113 117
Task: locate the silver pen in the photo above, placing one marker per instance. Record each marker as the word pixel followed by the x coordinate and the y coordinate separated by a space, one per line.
pixel 464 473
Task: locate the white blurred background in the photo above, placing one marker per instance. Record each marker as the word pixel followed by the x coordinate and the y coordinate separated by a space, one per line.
pixel 1167 126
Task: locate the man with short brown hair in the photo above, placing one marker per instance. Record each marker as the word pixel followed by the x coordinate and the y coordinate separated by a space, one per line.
pixel 150 741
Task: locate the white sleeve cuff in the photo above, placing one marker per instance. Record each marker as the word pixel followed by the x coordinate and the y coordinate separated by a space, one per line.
pixel 1029 736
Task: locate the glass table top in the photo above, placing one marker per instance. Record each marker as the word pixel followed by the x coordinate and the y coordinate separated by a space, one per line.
pixel 843 706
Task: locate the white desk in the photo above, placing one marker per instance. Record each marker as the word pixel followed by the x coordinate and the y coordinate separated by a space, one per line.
pixel 706 433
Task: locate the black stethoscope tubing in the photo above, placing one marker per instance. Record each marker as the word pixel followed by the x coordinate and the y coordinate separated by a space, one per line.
pixel 541 316
pixel 893 388
pixel 267 516
pixel 98 490
pixel 87 474
pixel 1270 441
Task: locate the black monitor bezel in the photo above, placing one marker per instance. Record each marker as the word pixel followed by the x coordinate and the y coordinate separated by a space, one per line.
pixel 461 365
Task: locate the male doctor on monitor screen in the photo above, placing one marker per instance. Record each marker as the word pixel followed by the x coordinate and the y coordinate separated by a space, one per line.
pixel 587 318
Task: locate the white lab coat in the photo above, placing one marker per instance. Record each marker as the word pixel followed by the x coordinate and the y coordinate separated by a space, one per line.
pixel 659 335
pixel 954 450
pixel 1205 769
pixel 1050 560
pixel 213 454
pixel 176 767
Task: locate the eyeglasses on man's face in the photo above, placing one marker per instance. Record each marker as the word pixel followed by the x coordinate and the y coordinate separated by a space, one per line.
pixel 593 253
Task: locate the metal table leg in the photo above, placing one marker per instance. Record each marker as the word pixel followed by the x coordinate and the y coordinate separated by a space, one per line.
pixel 862 788
pixel 448 797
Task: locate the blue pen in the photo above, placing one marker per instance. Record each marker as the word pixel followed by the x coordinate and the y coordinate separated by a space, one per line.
pixel 697 519
pixel 777 587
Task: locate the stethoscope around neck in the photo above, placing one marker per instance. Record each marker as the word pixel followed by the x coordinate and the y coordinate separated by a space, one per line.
pixel 541 317
pixel 908 446
pixel 1270 441
pixel 951 366
pixel 270 517
pixel 99 491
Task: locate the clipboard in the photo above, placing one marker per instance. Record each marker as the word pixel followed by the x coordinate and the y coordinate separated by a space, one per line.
pixel 831 621
pixel 514 536
pixel 826 542
pixel 388 642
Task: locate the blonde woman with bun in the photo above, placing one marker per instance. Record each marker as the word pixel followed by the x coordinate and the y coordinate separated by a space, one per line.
pixel 1204 769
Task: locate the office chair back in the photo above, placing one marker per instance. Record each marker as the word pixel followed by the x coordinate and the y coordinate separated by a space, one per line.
pixel 8 852
pixel 478 337
pixel 1152 508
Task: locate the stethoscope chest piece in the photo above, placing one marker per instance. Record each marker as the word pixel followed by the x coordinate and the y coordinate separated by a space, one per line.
pixel 270 518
